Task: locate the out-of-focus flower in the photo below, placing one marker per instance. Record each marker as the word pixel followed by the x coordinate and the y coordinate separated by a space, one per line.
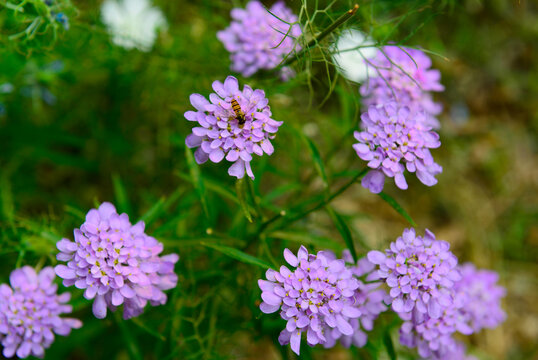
pixel 433 337
pixel 351 53
pixel 6 88
pixel 392 140
pixel 316 297
pixel 132 23
pixel 233 134
pixel 420 272
pixel 369 300
pixel 30 313
pixel 482 297
pixel 405 76
pixel 116 263
pixel 259 38
pixel 62 19
pixel 476 305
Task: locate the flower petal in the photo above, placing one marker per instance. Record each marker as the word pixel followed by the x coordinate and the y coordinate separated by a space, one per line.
pixel 64 272
pixel 376 257
pixel 99 307
pixel 290 258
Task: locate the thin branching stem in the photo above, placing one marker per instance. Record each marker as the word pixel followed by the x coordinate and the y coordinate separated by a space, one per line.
pixel 316 207
pixel 342 19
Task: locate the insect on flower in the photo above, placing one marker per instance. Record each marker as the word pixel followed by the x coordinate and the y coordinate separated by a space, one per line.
pixel 219 137
pixel 239 114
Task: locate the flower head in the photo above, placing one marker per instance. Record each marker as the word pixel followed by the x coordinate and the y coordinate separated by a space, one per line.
pixel 234 134
pixel 476 304
pixel 433 337
pixel 132 23
pixel 116 263
pixel 482 297
pixel 369 300
pixel 392 140
pixel 405 76
pixel 350 52
pixel 316 297
pixel 420 272
pixel 30 312
pixel 259 38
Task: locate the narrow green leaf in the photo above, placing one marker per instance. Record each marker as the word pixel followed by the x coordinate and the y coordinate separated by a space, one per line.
pixel 8 209
pixel 307 238
pixel 153 211
pixel 41 230
pixel 215 186
pixel 79 214
pixel 197 180
pixel 279 191
pixel 387 340
pixel 318 163
pixel 128 338
pixel 122 201
pixel 238 255
pixel 38 244
pixel 197 241
pixel 242 196
pixel 390 200
pixel 344 231
pixel 160 207
pixel 151 332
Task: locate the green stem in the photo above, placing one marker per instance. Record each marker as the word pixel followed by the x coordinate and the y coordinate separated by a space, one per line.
pixel 318 206
pixel 130 341
pixel 11 6
pixel 342 19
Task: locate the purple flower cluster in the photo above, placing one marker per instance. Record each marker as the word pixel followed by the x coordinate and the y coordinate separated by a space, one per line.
pixel 116 263
pixel 370 300
pixel 475 305
pixel 30 313
pixel 405 76
pixel 224 134
pixel 482 297
pixel 392 140
pixel 259 38
pixel 433 337
pixel 420 272
pixel 316 297
pixel 435 297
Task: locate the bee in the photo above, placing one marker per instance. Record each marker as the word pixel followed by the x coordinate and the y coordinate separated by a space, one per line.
pixel 239 114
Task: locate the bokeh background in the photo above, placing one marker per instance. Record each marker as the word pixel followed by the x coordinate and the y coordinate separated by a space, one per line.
pixel 85 122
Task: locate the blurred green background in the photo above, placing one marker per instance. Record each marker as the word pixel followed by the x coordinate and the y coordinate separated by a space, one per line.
pixel 87 122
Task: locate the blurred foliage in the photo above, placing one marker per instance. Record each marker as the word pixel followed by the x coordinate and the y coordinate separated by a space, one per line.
pixel 83 121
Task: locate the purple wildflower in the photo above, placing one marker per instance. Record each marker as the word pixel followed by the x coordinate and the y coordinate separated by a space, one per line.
pixel 475 305
pixel 483 296
pixel 316 297
pixel 433 337
pixel 259 38
pixel 369 300
pixel 405 76
pixel 392 140
pixel 30 312
pixel 420 272
pixel 222 135
pixel 116 263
